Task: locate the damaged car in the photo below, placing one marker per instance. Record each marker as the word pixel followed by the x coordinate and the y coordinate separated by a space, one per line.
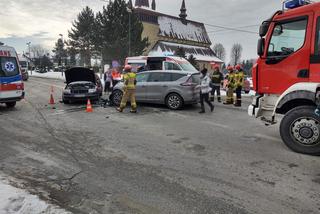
pixel 81 85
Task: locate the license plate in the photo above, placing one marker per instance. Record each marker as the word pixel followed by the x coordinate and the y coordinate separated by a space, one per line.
pixel 79 95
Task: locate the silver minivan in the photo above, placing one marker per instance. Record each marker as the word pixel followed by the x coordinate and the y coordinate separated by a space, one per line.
pixel 172 88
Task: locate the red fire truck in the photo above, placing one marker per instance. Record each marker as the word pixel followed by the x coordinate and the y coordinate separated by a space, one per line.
pixel 287 75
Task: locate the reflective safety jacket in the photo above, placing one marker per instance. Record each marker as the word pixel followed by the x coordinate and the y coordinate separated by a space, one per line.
pixel 239 79
pixel 231 80
pixel 130 80
pixel 217 78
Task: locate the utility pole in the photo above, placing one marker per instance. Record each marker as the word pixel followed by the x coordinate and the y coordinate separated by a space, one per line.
pixel 28 64
pixel 63 63
pixel 129 42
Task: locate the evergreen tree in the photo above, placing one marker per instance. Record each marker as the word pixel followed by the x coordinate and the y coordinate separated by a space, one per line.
pixel 59 51
pixel 180 52
pixel 193 62
pixel 114 31
pixel 71 53
pixel 43 61
pixel 83 35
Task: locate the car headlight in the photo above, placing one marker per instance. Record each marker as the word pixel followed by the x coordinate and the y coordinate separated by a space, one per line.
pixel 67 91
pixel 92 90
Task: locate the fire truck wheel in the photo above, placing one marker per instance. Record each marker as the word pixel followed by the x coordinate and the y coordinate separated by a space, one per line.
pixel 300 130
pixel 11 104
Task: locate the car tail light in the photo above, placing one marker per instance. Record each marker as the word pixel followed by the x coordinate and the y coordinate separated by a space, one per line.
pixel 20 86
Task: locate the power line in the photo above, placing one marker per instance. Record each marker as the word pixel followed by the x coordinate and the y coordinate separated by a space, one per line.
pixel 247 26
pixel 231 28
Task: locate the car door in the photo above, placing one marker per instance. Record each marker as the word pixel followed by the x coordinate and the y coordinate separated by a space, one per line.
pixel 141 87
pixel 158 84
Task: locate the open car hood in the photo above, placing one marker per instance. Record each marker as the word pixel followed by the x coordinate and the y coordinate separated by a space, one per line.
pixel 79 74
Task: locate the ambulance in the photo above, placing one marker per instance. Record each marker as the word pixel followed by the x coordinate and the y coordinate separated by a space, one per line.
pixel 11 85
pixel 161 63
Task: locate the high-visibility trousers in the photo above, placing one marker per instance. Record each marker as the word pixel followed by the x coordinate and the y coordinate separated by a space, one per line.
pixel 129 94
pixel 230 98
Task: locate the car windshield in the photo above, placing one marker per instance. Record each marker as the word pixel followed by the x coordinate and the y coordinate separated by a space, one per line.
pixel 8 67
pixel 186 66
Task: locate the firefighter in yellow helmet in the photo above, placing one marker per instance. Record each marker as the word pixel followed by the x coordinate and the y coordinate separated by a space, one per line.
pixel 230 86
pixel 239 83
pixel 129 90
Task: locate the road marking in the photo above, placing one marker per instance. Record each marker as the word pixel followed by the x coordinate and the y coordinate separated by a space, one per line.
pixel 48 84
pixel 266 137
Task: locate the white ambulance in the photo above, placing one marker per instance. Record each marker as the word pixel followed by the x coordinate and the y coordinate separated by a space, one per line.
pixel 165 63
pixel 11 85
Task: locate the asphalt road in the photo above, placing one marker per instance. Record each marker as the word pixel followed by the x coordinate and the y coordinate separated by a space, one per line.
pixel 157 161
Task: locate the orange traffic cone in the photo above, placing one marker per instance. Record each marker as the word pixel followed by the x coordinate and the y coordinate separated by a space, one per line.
pixel 51 101
pixel 89 107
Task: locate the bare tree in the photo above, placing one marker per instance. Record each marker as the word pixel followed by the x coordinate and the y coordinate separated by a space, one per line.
pixel 220 51
pixel 38 51
pixel 236 52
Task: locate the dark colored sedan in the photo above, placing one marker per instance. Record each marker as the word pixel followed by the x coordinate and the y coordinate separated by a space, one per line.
pixel 82 85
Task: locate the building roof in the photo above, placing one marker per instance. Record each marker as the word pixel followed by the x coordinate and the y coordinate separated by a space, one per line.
pixel 174 27
pixel 200 53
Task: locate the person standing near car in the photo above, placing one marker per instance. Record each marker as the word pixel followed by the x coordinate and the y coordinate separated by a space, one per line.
pixel 216 81
pixel 239 83
pixel 205 89
pixel 230 86
pixel 107 81
pixel 129 89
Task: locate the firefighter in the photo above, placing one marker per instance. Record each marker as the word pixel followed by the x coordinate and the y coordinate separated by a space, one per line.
pixel 230 86
pixel 239 83
pixel 216 81
pixel 129 89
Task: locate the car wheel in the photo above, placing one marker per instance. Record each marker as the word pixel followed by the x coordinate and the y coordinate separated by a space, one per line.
pixel 174 101
pixel 116 97
pixel 300 130
pixel 11 104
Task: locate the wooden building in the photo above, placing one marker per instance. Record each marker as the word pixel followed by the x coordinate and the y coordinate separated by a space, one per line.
pixel 166 33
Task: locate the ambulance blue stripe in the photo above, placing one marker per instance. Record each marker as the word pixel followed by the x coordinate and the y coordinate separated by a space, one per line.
pixel 10 79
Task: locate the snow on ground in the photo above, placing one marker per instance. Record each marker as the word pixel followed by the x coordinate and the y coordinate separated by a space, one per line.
pixel 48 75
pixel 18 201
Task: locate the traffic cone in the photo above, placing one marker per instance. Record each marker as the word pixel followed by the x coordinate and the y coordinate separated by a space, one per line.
pixel 51 101
pixel 89 107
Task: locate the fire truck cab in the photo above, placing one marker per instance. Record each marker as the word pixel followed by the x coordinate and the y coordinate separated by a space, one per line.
pixel 287 75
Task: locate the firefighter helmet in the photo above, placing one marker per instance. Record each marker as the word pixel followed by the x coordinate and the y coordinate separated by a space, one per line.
pixel 216 66
pixel 238 67
pixel 230 68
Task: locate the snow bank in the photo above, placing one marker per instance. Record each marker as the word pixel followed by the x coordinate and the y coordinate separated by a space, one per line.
pixel 48 75
pixel 17 201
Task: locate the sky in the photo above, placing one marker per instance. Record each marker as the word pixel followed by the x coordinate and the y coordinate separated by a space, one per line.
pixel 41 21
